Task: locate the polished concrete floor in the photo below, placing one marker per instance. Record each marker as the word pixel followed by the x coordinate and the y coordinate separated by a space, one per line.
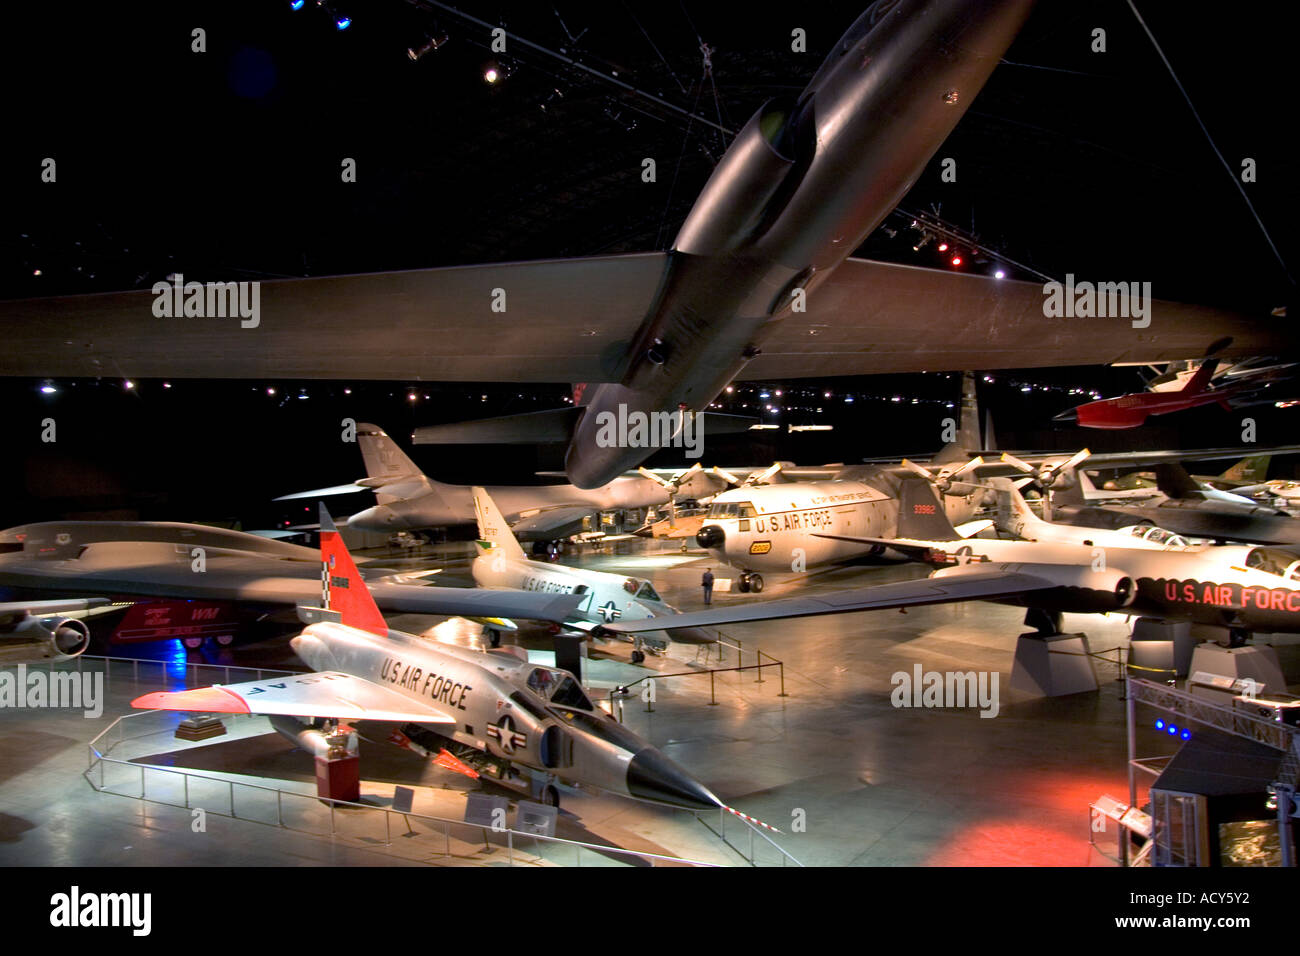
pixel 848 778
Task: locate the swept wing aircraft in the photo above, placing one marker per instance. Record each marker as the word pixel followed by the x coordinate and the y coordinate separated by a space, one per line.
pixel 604 597
pixel 408 500
pixel 799 188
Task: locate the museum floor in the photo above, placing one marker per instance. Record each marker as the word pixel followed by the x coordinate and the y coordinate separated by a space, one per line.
pixel 848 778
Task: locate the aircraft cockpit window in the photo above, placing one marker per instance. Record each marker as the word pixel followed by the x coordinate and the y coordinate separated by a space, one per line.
pixel 1271 560
pixel 647 592
pixel 716 509
pixel 541 682
pixel 1293 572
pixel 1158 536
pixel 1138 531
pixel 569 694
pixel 1176 542
pixel 745 510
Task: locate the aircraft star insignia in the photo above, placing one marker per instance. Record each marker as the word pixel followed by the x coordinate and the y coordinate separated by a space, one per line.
pixel 504 732
pixel 610 612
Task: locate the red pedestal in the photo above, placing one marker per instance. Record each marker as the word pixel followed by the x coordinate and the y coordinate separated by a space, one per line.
pixel 339 779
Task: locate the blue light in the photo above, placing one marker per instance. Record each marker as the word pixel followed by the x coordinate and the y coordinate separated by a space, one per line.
pixel 343 23
pixel 296 4
pixel 1172 729
pixel 1187 735
pixel 1160 725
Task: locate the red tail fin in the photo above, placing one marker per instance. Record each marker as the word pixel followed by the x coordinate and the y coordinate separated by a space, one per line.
pixel 341 584
pixel 1201 380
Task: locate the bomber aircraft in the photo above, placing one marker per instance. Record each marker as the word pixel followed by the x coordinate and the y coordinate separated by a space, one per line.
pixel 757 284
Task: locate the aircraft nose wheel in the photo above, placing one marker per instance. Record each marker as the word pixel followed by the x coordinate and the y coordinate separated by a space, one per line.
pixel 750 581
pixel 638 657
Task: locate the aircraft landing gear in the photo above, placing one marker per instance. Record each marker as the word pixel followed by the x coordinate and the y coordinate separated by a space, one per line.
pixel 638 657
pixel 551 796
pixel 750 581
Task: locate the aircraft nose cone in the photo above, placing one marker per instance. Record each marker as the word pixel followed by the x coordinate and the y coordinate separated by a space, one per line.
pixel 710 536
pixel 1067 417
pixel 653 776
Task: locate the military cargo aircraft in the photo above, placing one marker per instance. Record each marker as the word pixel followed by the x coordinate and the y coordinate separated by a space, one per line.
pixel 408 500
pixel 758 282
pixel 1233 589
pixel 481 713
pixel 604 597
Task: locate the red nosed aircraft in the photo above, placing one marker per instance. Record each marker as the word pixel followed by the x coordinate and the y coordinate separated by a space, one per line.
pixel 1130 411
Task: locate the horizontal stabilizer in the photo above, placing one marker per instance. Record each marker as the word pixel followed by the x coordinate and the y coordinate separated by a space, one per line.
pixel 347 489
pixel 529 428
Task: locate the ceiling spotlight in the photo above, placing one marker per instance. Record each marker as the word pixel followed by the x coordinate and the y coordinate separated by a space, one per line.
pixel 429 45
pixel 999 274
pixel 956 260
pixel 128 384
pixel 36 272
pixel 343 22
pixel 943 247
pixel 491 75
pixel 48 389
pixel 296 4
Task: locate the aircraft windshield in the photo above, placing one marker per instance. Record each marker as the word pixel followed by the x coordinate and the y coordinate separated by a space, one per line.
pixel 649 593
pixel 558 687
pixel 1275 561
pixel 732 509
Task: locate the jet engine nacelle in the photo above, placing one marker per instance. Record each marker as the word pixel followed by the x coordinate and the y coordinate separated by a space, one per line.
pixel 44 639
pixel 737 195
pixel 1079 589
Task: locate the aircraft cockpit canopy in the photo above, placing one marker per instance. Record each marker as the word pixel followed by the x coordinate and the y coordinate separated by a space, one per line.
pixel 558 687
pixel 1158 536
pixel 1285 564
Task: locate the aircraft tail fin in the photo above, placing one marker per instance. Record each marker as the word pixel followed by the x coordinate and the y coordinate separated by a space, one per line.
pixel 385 460
pixel 921 515
pixel 342 587
pixel 1173 480
pixel 967 440
pixel 1201 380
pixel 494 534
pixel 1252 469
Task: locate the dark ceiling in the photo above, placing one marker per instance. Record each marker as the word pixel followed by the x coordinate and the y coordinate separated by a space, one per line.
pixel 226 163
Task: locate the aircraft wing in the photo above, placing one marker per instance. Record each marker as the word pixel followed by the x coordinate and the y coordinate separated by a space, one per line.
pixel 552 519
pixel 870 317
pixel 571 320
pixel 165 570
pixel 326 694
pixel 970 586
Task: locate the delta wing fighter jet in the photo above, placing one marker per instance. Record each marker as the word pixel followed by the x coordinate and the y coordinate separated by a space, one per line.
pixel 604 597
pixel 478 713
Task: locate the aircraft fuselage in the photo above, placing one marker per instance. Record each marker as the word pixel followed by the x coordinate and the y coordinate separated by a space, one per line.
pixel 799 189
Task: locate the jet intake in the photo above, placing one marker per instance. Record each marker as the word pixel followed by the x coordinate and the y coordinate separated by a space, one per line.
pixel 736 197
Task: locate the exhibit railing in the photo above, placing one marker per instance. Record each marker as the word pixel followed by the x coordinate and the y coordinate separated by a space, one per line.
pixel 256 807
pixel 619 695
pixel 758 851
